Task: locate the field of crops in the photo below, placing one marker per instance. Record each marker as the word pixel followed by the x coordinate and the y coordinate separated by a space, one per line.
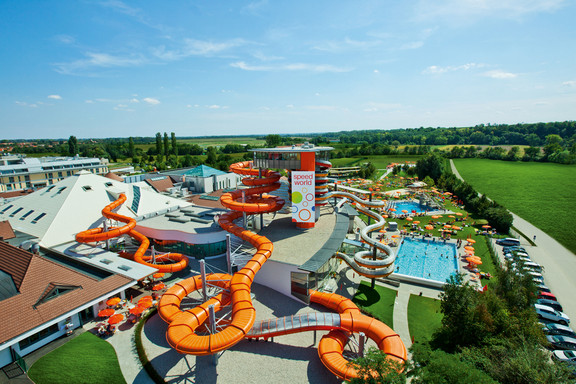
pixel 542 193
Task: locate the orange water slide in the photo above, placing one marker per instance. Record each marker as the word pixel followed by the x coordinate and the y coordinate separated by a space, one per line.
pixel 182 332
pixel 176 261
pixel 185 327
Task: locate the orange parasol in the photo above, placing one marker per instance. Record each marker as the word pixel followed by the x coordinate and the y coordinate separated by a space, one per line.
pixel 404 211
pixel 115 319
pixel 486 226
pixel 474 260
pixel 106 312
pixel 469 248
pixel 469 251
pixel 145 304
pixel 113 301
pixel 448 226
pixel 471 241
pixel 436 216
pixel 409 219
pixel 392 209
pixel 158 275
pixel 459 214
pixel 158 287
pixel 455 227
pixel 395 236
pixel 452 216
pixel 429 227
pixel 137 310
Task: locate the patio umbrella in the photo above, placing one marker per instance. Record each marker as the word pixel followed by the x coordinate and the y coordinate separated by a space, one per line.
pixel 429 227
pixel 115 319
pixel 146 298
pixel 106 312
pixel 474 260
pixel 469 248
pixel 404 211
pixel 468 251
pixel 145 304
pixel 486 226
pixel 416 222
pixel 392 209
pixel 459 214
pixel 455 227
pixel 137 310
pixel 436 216
pixel 395 236
pixel 447 226
pixel 113 301
pixel 452 216
pixel 409 219
pixel 471 241
pixel 158 275
pixel 158 287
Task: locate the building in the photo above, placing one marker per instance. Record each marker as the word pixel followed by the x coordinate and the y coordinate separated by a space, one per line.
pixel 18 172
pixel 203 179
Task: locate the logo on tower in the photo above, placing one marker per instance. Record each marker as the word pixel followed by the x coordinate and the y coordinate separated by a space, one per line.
pixel 303 197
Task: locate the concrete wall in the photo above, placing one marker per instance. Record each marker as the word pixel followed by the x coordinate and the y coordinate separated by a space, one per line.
pixel 276 275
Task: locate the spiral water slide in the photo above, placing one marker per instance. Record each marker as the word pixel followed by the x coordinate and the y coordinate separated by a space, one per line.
pixel 187 330
pixel 175 261
pixel 368 263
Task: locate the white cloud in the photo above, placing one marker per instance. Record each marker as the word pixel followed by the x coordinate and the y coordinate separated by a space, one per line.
pixel 413 45
pixel 151 101
pixel 216 106
pixel 462 11
pixel 24 104
pixel 135 101
pixel 65 39
pixel 193 47
pixel 55 97
pixel 499 74
pixel 288 67
pixel 97 60
pixel 322 107
pixel 569 83
pixel 262 57
pixel 436 70
pixel 347 45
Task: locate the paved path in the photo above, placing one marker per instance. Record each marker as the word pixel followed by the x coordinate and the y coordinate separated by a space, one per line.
pixel 558 262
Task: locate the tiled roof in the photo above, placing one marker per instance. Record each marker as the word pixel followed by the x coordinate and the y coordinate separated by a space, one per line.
pixel 199 201
pixel 10 194
pixel 18 313
pixel 113 176
pixel 6 231
pixel 14 261
pixel 160 184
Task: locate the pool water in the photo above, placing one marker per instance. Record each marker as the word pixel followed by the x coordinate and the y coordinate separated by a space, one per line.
pixel 410 206
pixel 427 259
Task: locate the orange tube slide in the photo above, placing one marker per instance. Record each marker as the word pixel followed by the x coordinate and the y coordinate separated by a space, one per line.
pixel 183 327
pixel 178 261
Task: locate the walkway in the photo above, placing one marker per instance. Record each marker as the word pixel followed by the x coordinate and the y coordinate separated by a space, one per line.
pixel 558 262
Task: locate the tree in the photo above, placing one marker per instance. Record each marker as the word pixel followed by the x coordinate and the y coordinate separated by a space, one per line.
pixel 73 146
pixel 211 156
pixel 430 165
pixel 273 140
pixel 429 182
pixel 376 367
pixel 499 218
pixel 131 148
pixel 174 144
pixel 158 144
pixel 166 145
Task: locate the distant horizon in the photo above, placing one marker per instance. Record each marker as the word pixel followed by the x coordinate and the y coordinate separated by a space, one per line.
pixel 113 68
pixel 273 133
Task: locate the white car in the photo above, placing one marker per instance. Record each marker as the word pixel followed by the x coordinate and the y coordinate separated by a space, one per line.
pixel 565 355
pixel 548 313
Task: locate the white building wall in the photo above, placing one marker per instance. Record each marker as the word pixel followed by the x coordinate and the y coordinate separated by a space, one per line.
pixel 276 275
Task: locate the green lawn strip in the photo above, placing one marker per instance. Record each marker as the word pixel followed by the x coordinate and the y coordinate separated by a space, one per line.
pixel 84 359
pixel 541 193
pixel 424 317
pixel 377 302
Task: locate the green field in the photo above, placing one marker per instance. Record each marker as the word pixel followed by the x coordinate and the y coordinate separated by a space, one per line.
pixel 542 193
pixel 378 161
pixel 84 359
pixel 424 317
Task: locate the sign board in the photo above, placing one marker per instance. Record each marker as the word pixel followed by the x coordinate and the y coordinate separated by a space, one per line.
pixel 303 197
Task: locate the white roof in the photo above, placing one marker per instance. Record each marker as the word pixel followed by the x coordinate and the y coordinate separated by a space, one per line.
pixel 75 204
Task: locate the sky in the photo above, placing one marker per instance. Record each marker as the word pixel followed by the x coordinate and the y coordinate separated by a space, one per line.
pixel 115 68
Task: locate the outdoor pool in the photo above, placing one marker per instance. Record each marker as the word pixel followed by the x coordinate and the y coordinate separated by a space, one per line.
pixel 410 206
pixel 426 259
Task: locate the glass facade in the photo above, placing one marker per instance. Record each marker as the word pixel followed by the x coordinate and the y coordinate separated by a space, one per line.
pixel 277 160
pixel 198 251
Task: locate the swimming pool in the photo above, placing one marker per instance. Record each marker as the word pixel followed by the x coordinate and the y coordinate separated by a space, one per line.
pixel 410 206
pixel 427 259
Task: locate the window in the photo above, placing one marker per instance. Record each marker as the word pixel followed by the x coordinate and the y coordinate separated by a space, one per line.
pixel 16 211
pixel 7 208
pixel 61 189
pixel 26 214
pixel 39 336
pixel 38 218
pixel 87 188
pixel 108 184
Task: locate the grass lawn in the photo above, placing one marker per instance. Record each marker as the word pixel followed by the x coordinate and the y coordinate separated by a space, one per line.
pixel 378 302
pixel 542 193
pixel 84 359
pixel 379 162
pixel 424 317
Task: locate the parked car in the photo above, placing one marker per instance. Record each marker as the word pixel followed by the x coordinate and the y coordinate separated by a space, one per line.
pixel 514 249
pixel 532 265
pixel 543 288
pixel 558 329
pixel 561 342
pixel 566 356
pixel 509 241
pixel 547 295
pixel 548 313
pixel 551 303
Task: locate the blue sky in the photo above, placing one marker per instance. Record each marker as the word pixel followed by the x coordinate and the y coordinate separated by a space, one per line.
pixel 133 68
